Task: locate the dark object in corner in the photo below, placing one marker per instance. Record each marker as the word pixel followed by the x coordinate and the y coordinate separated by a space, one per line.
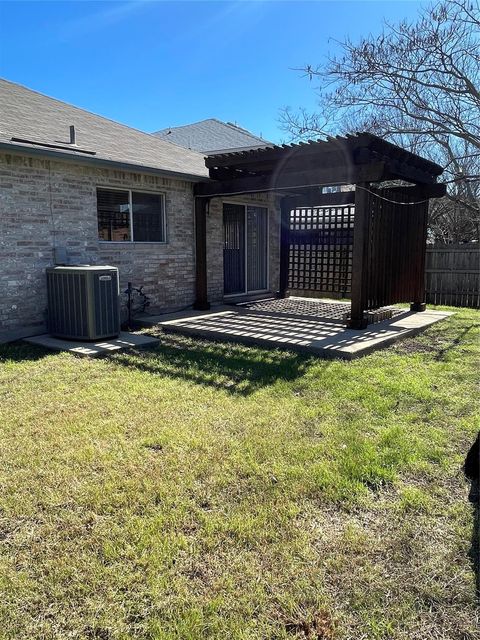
pixel 137 302
pixel 472 461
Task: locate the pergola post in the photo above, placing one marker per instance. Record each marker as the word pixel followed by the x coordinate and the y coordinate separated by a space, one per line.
pixel 419 303
pixel 361 230
pixel 201 282
pixel 285 208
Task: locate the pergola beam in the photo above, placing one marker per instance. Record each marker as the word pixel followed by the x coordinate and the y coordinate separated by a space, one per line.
pixel 373 172
pixel 301 158
pixel 360 148
pixel 314 198
pixel 404 171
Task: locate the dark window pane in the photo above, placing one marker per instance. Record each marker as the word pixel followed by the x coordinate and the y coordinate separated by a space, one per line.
pixel 148 217
pixel 113 215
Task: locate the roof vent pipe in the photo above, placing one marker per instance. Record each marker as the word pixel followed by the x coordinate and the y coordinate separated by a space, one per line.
pixel 73 135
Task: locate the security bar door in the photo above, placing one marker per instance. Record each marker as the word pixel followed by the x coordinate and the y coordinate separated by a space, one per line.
pixel 233 249
pixel 244 248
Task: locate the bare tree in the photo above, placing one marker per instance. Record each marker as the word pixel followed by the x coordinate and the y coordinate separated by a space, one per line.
pixel 416 84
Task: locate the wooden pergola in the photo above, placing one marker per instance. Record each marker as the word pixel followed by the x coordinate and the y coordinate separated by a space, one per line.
pixel 390 189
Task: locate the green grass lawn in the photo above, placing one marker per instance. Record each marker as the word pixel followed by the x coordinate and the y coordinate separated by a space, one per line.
pixel 214 491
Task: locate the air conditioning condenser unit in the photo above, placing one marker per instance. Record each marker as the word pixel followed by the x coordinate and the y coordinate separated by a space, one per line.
pixel 83 302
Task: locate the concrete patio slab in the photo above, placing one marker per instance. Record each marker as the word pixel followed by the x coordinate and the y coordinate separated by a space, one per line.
pixel 307 333
pixel 125 340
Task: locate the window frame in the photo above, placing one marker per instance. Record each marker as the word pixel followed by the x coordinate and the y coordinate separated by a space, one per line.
pixel 130 216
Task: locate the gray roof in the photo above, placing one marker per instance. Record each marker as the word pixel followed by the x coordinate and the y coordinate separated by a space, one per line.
pixel 212 136
pixel 40 124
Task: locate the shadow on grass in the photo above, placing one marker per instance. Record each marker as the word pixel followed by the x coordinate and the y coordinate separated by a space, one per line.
pixel 472 471
pixel 455 342
pixel 232 367
pixel 437 342
pixel 22 352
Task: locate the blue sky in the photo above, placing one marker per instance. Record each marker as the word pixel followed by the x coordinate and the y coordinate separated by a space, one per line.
pixel 152 64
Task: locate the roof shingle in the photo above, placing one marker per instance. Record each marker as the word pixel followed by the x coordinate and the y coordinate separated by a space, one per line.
pixel 212 136
pixel 32 116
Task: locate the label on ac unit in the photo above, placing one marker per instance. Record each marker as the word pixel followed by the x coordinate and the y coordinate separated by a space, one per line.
pixel 105 278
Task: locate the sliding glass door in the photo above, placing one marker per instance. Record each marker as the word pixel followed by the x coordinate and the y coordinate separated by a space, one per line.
pixel 256 248
pixel 245 248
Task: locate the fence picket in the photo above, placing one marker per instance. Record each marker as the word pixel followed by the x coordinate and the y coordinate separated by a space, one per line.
pixel 453 275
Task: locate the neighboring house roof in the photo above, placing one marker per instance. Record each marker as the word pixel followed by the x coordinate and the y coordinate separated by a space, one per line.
pixel 212 136
pixel 32 121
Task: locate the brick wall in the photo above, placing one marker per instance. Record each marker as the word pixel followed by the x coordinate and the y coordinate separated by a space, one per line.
pixel 45 204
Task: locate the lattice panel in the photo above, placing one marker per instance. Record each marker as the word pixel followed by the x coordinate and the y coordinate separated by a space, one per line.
pixel 320 255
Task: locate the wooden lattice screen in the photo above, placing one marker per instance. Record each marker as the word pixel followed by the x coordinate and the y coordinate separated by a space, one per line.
pixel 320 250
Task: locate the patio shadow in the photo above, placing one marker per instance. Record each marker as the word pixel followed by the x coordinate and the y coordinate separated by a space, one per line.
pixel 232 367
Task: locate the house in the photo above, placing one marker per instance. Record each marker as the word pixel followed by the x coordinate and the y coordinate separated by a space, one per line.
pixel 78 188
pixel 195 229
pixel 212 136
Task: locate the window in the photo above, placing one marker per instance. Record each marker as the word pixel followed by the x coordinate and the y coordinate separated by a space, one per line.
pixel 332 189
pixel 130 216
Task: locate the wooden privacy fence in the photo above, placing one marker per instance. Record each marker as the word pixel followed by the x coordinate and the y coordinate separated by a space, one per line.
pixel 453 275
pixel 396 234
